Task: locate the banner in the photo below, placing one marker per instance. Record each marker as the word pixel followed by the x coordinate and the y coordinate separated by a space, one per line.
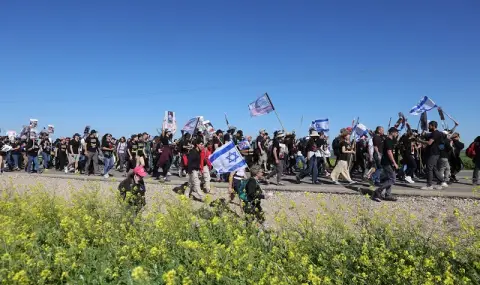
pixel 11 134
pixel 170 122
pixel 25 131
pixel 262 106
pixel 51 129
pixel 208 127
pixel 321 125
pixel 192 125
pixel 426 104
pixel 33 123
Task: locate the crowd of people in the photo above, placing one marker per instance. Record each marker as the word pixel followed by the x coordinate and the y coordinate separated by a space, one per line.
pixel 379 157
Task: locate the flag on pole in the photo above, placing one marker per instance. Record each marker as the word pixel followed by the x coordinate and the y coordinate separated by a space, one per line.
pixel 360 130
pixel 193 125
pixel 426 104
pixel 262 106
pixel 424 121
pixel 170 122
pixel 226 120
pixel 321 125
pixel 227 159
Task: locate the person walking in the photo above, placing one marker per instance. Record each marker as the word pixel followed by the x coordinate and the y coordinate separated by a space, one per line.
pixel 312 160
pixel 278 155
pixel 107 149
pixel 92 145
pixel 389 166
pixel 433 155
pixel 476 161
pixel 193 170
pixel 341 167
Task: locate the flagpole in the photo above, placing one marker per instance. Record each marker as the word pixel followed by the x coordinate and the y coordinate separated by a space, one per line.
pixel 273 107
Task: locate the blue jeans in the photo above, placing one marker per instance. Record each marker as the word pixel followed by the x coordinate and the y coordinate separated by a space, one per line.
pixel 16 158
pixel 304 162
pixel 32 159
pixel 378 172
pixel 388 182
pixel 312 169
pixel 46 159
pixel 107 164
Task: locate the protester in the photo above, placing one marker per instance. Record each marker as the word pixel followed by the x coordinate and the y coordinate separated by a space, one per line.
pixel 389 165
pixel 73 154
pixel 433 155
pixel 193 170
pixel 476 161
pixel 132 189
pixel 107 149
pixel 33 149
pixel 378 142
pixel 91 152
pixel 455 159
pixel 254 194
pixel 278 156
pixel 341 167
pixel 311 150
pixel 121 153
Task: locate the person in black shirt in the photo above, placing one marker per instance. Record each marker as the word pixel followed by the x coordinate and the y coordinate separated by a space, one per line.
pixel 217 143
pixel 62 154
pixel 312 146
pixel 260 150
pixel 252 207
pixel 389 166
pixel 476 160
pixel 408 155
pixel 46 152
pixel 92 145
pixel 16 152
pixel 32 151
pixel 455 160
pixel 341 167
pixel 278 155
pixel 140 159
pixel 73 150
pixel 132 148
pixel 443 166
pixel 193 170
pixel 107 149
pixel 433 154
pixel 378 139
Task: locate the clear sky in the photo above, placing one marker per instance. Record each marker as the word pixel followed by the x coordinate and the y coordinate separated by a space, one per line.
pixel 118 65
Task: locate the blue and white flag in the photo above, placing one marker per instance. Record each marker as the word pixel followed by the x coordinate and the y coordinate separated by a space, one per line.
pixel 262 106
pixel 360 130
pixel 227 159
pixel 192 125
pixel 426 104
pixel 243 144
pixel 321 125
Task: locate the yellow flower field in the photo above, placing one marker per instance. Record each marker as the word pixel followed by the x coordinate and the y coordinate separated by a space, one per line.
pixel 87 237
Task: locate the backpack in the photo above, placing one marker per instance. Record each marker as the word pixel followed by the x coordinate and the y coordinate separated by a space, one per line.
pixel 336 146
pixel 470 152
pixel 242 192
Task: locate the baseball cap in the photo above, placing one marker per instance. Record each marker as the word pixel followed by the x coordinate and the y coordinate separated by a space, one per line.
pixel 140 171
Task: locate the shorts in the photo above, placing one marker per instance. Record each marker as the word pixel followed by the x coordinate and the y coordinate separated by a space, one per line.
pixel 73 158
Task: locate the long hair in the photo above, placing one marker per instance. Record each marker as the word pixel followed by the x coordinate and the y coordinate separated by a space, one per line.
pixel 104 139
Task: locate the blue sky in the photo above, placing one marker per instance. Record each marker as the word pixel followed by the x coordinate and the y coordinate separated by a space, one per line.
pixel 118 65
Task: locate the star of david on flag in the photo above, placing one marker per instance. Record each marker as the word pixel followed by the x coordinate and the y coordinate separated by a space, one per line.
pixel 426 104
pixel 227 159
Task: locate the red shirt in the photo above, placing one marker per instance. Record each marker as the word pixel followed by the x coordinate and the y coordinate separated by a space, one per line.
pixel 204 154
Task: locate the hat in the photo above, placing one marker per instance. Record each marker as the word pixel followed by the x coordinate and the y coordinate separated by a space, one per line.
pixel 280 135
pixel 93 132
pixel 140 171
pixel 392 130
pixel 314 134
pixel 219 132
pixel 262 131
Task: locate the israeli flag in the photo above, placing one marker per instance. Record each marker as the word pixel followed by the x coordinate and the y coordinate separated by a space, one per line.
pixel 321 125
pixel 227 159
pixel 426 104
pixel 360 130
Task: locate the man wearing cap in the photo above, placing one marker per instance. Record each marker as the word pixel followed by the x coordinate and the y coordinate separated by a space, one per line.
pixel 92 145
pixel 389 166
pixel 132 189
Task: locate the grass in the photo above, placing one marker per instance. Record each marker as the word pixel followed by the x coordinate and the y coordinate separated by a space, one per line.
pixel 88 238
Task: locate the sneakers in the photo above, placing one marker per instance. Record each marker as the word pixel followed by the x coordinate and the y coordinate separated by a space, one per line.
pixel 66 170
pixel 409 179
pixel 427 188
pixel 352 182
pixel 376 197
pixel 336 183
pixel 444 184
pixel 106 176
pixel 438 187
pixel 297 179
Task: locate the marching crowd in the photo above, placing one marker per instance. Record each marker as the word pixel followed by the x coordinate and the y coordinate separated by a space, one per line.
pixel 378 157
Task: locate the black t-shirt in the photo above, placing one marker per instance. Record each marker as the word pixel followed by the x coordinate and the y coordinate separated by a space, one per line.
pixel 75 146
pixel 276 145
pixel 15 145
pixel 378 142
pixel 216 141
pixel 32 147
pixel 343 156
pixel 63 147
pixel 437 137
pixel 107 153
pixel 165 140
pixel 46 146
pixel 193 160
pixel 133 147
pixel 389 144
pixel 260 140
pixel 141 148
pixel 92 144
